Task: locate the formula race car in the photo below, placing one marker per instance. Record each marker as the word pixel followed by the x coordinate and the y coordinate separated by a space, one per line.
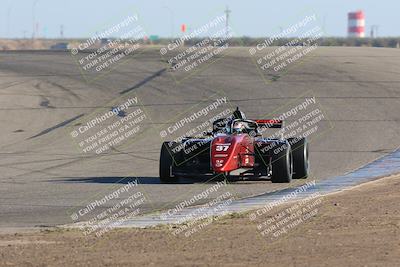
pixel 235 148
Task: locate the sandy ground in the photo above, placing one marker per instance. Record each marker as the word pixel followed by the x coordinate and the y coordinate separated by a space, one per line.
pixel 25 44
pixel 357 227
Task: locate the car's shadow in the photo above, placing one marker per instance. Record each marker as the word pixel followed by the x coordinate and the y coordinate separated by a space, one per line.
pixel 150 180
pixel 127 179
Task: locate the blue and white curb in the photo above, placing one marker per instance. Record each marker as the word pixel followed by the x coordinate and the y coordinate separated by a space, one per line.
pixel 382 167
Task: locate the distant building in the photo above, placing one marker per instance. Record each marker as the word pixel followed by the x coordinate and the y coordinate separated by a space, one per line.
pixel 356 24
pixel 59 46
pixel 104 41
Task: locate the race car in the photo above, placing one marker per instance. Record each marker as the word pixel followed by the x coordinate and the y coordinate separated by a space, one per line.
pixel 235 148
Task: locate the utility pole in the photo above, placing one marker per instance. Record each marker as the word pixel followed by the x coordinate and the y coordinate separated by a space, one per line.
pixel 62 31
pixel 227 12
pixel 8 21
pixel 34 25
pixel 374 31
pixel 171 13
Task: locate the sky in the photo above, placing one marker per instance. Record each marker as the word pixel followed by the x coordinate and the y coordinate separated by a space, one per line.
pixel 83 18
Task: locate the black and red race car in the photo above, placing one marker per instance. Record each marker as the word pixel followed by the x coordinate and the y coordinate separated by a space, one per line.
pixel 236 148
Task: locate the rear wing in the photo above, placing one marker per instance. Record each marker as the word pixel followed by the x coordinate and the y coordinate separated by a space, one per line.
pixel 270 123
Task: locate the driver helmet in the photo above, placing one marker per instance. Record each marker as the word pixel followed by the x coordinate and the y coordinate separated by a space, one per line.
pixel 238 127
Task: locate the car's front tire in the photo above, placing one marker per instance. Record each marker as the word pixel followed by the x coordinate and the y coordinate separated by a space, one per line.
pixel 282 169
pixel 301 162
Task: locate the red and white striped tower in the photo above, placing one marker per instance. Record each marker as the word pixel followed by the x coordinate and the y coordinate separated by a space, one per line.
pixel 356 21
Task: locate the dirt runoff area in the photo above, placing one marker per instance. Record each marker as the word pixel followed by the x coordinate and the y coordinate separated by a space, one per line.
pixel 357 227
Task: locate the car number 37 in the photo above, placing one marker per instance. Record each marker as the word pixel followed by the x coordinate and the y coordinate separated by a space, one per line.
pixel 223 147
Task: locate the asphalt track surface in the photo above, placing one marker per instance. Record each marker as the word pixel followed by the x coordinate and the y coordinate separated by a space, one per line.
pixel 44 178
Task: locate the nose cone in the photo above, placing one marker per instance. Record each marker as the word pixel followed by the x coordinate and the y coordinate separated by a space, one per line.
pixel 222 154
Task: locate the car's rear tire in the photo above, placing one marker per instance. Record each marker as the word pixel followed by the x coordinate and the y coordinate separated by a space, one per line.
pixel 301 162
pixel 282 169
pixel 166 162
